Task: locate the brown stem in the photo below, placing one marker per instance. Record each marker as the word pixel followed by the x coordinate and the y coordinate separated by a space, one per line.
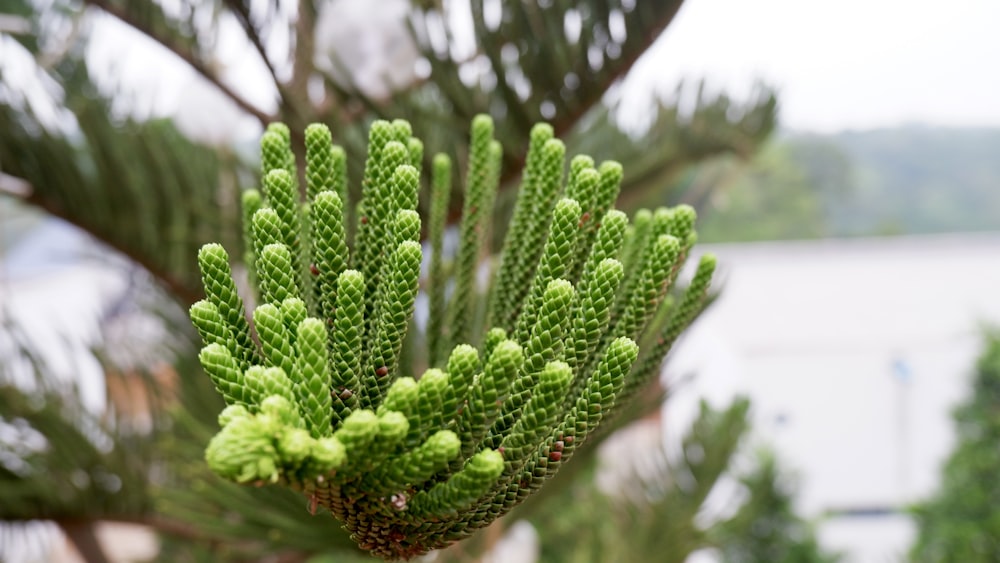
pixel 81 534
pixel 297 99
pixel 175 285
pixel 569 119
pixel 253 35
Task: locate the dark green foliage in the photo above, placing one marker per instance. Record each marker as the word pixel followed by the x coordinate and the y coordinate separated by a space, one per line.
pixel 962 522
pixel 651 505
pixel 650 515
pixel 766 528
pixel 160 212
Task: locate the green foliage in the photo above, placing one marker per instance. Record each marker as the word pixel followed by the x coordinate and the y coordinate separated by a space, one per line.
pixel 766 528
pixel 904 180
pixel 651 515
pixel 908 179
pixel 321 405
pixel 651 506
pixel 40 481
pixel 961 522
pixel 147 190
pixel 773 197
pixel 141 187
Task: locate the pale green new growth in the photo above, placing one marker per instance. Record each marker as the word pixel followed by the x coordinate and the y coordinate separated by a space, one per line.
pixel 210 325
pixel 220 290
pixel 330 254
pixel 512 261
pixel 312 384
pixel 555 263
pixel 321 166
pixel 276 149
pixel 474 209
pixel 250 202
pixel 275 341
pixel 463 365
pixel 319 392
pixel 348 330
pixel 440 196
pixel 220 365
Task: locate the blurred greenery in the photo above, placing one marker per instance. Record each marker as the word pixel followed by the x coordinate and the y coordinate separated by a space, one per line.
pixel 773 197
pixel 127 181
pixel 766 527
pixel 920 180
pixel 906 180
pixel 961 522
pixel 651 503
pixel 650 515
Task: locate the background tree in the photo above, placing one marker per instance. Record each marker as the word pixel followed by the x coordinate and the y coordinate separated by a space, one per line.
pixel 961 521
pixel 72 146
pixel 653 506
pixel 526 62
pixel 646 508
pixel 766 527
pixel 771 197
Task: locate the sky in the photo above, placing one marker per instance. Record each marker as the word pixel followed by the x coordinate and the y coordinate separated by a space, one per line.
pixel 851 64
pixel 846 64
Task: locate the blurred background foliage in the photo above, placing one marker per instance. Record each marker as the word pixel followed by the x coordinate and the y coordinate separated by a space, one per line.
pixel 81 146
pixel 960 523
pixel 907 180
pixel 526 62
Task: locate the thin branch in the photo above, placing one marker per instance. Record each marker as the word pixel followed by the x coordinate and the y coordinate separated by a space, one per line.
pixel 184 531
pixel 82 535
pixel 566 121
pixel 569 119
pixel 253 34
pixel 185 55
pixel 175 285
pixel 303 56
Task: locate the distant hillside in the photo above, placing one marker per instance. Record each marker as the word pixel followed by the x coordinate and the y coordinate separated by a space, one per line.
pixel 920 180
pixel 888 181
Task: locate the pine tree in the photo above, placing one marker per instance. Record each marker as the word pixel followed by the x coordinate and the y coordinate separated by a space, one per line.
pixel 155 195
pixel 961 521
pixel 766 527
pixel 143 188
pixel 652 506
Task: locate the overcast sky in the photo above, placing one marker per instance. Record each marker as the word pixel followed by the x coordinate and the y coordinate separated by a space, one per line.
pixel 836 65
pixel 844 64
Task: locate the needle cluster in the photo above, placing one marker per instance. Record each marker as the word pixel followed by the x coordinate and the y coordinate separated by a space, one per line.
pixel 520 373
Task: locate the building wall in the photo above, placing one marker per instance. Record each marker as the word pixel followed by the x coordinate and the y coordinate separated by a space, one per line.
pixel 854 353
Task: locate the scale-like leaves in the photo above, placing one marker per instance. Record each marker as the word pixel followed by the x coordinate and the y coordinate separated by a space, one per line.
pixel 323 407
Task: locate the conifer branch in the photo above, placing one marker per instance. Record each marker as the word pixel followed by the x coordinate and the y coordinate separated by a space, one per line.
pixel 319 402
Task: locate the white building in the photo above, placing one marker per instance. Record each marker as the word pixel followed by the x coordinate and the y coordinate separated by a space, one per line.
pixel 853 352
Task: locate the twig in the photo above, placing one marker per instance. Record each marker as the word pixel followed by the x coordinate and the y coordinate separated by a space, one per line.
pixel 253 34
pixel 177 286
pixel 185 55
pixel 81 535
